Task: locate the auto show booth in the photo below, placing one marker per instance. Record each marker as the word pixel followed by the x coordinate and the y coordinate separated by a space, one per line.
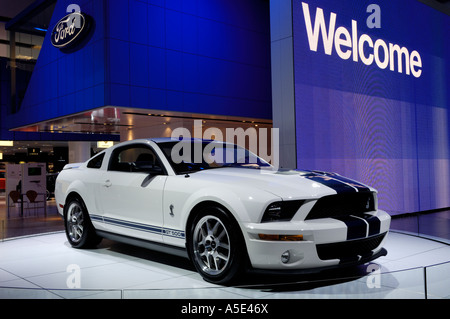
pixel 359 88
pixel 355 88
pixel 139 68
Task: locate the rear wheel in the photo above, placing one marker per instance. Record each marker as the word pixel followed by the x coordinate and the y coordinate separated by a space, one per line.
pixel 79 229
pixel 216 246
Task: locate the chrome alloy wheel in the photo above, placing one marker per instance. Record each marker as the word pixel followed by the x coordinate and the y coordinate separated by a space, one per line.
pixel 211 244
pixel 75 222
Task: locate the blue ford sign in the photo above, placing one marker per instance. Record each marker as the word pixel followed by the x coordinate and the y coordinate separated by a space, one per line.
pixel 70 30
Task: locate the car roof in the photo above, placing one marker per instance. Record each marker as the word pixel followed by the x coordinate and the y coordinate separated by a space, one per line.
pixel 174 139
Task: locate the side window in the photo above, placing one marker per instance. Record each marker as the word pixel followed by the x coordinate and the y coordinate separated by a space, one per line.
pixel 97 161
pixel 135 158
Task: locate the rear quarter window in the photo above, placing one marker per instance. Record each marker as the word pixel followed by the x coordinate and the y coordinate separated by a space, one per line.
pixel 97 161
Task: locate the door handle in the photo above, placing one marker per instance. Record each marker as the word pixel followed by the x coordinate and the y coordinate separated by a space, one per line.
pixel 107 183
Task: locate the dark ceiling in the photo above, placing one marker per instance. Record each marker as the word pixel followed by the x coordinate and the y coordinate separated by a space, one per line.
pixel 27 16
pixel 12 8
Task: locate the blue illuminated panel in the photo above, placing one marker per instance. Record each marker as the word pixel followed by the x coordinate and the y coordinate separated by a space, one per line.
pixel 356 116
pixel 190 56
pixel 197 56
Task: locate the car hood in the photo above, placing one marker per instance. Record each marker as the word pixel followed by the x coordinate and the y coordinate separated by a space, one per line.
pixel 287 184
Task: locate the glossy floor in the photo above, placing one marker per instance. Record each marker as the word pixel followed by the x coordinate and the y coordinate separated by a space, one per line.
pixel 45 266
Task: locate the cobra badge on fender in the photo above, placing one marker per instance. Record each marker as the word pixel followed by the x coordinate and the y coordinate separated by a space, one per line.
pixel 70 30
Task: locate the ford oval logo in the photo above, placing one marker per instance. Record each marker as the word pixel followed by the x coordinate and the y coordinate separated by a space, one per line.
pixel 69 30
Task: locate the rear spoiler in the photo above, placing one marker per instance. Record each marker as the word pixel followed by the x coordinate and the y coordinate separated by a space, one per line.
pixel 73 165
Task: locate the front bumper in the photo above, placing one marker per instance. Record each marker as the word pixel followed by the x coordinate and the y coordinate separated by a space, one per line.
pixel 325 244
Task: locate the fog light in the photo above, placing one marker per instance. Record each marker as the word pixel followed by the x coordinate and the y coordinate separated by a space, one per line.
pixel 285 257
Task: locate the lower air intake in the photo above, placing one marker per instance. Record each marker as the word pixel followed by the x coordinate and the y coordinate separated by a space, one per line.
pixel 349 249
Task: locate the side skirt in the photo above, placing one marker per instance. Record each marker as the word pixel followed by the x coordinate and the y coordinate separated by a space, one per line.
pixel 163 248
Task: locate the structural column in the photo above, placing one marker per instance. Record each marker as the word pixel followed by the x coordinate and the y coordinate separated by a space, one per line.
pixel 283 96
pixel 79 151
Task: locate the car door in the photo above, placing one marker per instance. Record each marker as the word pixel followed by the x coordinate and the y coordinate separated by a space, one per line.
pixel 131 193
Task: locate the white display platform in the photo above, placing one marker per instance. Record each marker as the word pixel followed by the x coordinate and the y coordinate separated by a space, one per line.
pixel 45 266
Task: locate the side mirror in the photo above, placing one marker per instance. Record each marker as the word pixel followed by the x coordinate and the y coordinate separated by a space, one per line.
pixel 155 170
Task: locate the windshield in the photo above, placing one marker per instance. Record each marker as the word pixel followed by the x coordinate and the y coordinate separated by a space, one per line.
pixel 193 156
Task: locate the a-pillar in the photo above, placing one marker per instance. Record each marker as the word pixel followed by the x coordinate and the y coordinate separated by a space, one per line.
pixel 79 152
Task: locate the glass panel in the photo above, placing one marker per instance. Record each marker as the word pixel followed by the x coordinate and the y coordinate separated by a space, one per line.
pixel 438 281
pixel 431 225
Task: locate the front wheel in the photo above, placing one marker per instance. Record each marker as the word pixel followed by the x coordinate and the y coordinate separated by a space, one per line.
pixel 216 246
pixel 79 230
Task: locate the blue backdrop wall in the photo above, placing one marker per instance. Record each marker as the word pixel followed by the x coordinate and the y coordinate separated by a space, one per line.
pixel 357 116
pixel 198 56
pixel 66 83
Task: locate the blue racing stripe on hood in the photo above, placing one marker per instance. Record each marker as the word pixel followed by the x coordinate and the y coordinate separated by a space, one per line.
pixel 336 182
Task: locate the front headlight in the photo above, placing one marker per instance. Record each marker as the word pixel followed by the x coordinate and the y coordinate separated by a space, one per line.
pixel 281 211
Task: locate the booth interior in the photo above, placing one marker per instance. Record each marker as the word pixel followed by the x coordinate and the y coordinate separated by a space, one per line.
pixel 418 263
pixel 27 181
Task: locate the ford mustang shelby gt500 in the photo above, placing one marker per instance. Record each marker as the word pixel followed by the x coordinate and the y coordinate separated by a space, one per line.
pixel 227 209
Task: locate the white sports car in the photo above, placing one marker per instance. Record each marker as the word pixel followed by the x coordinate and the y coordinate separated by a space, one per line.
pixel 227 210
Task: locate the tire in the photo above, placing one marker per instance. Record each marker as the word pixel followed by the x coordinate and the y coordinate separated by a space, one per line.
pixel 79 229
pixel 216 246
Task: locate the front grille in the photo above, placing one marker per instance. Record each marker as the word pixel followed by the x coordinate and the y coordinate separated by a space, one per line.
pixel 349 249
pixel 343 205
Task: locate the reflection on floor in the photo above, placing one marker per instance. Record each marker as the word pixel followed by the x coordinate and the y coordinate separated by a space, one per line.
pixel 50 268
pixel 33 221
pixel 45 266
pixel 432 225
